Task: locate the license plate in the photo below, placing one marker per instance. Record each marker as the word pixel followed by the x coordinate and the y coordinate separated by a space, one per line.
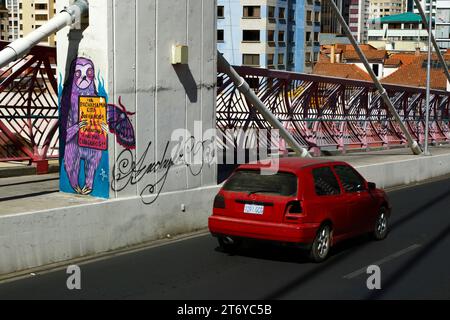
pixel 254 209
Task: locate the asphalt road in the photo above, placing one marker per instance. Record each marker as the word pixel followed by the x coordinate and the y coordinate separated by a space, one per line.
pixel 414 262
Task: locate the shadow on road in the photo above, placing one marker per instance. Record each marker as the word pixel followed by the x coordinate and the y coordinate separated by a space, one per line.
pixel 263 250
pixel 409 265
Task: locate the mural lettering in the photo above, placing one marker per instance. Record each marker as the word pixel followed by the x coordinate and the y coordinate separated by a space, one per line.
pixel 130 172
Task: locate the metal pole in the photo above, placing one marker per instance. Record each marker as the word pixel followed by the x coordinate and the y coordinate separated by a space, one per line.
pixel 411 142
pixel 17 49
pixel 427 109
pixel 244 88
pixel 433 39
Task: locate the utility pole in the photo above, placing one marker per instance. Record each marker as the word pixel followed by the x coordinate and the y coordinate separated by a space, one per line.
pixel 433 40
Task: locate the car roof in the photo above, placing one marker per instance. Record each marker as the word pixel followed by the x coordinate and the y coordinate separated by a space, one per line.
pixel 292 164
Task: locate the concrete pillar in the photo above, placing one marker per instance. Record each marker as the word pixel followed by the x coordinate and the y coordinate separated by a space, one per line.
pixel 124 56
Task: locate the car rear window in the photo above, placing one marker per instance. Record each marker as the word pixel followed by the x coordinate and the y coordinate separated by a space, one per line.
pixel 251 181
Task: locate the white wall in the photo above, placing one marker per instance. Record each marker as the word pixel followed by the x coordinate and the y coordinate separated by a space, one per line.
pixel 388 71
pixel 380 68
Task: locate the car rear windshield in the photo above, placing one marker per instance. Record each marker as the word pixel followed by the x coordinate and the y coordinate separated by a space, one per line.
pixel 251 181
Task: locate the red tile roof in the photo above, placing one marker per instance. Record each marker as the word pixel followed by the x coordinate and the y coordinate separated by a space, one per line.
pixel 405 58
pixel 341 70
pixel 393 62
pixel 415 74
pixel 371 55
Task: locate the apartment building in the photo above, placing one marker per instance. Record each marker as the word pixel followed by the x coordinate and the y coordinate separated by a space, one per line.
pixel 382 8
pixel 274 34
pixel 4 21
pixel 329 24
pixel 400 32
pixel 441 13
pixel 28 15
pixel 358 19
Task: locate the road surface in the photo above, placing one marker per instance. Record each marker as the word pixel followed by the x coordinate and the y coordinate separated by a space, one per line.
pixel 414 262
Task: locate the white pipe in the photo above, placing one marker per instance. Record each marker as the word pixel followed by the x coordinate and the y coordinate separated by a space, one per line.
pixel 17 49
pixel 244 88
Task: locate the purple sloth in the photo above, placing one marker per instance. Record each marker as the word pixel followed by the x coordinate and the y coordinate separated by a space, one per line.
pixel 81 82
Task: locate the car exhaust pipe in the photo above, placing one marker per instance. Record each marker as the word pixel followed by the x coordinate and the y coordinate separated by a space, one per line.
pixel 229 241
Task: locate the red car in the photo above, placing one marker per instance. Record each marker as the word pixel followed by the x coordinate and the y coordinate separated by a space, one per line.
pixel 308 202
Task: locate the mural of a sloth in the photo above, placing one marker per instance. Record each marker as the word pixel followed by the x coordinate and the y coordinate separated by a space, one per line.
pixel 81 82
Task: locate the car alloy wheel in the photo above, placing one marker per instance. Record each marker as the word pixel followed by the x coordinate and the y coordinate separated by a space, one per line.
pixel 381 225
pixel 321 245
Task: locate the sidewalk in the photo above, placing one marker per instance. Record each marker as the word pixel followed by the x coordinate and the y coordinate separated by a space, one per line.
pixel 18 169
pixel 37 193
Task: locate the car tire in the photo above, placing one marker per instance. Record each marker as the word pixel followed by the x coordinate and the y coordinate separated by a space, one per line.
pixel 381 228
pixel 229 244
pixel 322 243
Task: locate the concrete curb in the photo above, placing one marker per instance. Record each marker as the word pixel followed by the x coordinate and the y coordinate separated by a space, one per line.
pixel 19 170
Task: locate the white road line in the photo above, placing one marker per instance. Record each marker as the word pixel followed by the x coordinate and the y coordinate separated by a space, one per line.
pixel 382 261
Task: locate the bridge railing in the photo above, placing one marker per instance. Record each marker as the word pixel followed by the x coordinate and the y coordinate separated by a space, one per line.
pixel 331 113
pixel 322 113
pixel 29 108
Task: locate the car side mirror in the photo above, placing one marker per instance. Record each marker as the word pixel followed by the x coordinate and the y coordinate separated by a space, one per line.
pixel 372 186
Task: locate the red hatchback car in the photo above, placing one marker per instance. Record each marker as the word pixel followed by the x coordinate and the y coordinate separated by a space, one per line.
pixel 308 202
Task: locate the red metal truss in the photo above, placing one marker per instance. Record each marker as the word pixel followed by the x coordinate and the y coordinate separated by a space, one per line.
pixel 29 108
pixel 326 113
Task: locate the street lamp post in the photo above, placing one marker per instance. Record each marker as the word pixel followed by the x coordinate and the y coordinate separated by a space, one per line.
pixel 427 109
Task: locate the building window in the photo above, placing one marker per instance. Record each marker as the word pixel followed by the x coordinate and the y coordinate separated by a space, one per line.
pixel 220 35
pixel 308 57
pixel 376 69
pixel 271 37
pixel 271 13
pixel 281 36
pixel 41 17
pixel 270 61
pixel 281 59
pixel 282 13
pixel 220 12
pixel 309 16
pixel 250 60
pixel 252 12
pixel 251 36
pixel 308 36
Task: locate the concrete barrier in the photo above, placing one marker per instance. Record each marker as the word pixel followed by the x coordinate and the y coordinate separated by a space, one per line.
pixel 404 172
pixel 35 239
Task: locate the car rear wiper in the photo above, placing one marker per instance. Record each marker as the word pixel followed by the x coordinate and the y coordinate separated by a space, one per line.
pixel 262 191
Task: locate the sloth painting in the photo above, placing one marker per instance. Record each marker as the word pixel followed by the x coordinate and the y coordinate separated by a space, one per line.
pixel 81 82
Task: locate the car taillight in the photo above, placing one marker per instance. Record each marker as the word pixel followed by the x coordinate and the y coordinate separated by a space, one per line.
pixel 294 207
pixel 219 202
pixel 293 211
